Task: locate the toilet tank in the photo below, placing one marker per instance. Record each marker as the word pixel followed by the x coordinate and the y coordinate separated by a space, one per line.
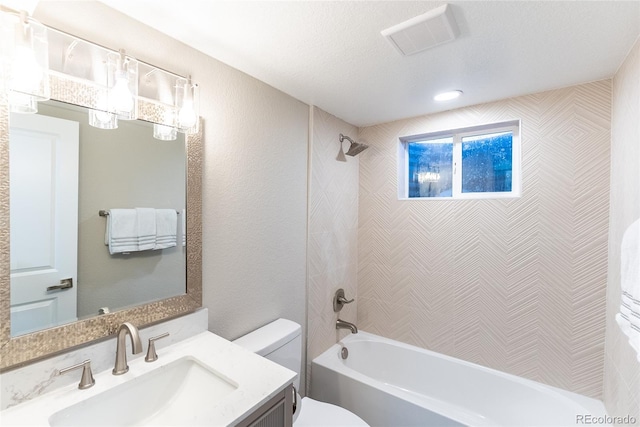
pixel 279 341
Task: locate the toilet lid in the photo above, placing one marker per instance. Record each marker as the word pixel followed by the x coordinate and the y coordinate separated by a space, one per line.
pixel 319 414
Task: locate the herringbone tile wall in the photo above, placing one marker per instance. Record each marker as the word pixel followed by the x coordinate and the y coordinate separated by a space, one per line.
pixel 622 369
pixel 332 248
pixel 517 285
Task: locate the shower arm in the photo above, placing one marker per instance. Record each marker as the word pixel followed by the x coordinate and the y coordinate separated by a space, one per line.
pixel 343 137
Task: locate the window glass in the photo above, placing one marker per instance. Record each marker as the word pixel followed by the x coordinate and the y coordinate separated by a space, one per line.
pixel 430 168
pixel 480 162
pixel 487 163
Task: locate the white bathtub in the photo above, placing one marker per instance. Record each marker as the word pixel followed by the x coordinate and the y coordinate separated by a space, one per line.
pixel 388 383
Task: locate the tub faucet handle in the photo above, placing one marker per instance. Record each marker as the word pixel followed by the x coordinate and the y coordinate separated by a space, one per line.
pixel 345 301
pixel 339 300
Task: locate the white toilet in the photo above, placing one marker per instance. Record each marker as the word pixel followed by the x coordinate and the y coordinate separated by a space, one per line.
pixel 280 342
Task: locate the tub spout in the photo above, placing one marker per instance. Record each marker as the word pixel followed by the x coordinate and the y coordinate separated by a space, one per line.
pixel 341 324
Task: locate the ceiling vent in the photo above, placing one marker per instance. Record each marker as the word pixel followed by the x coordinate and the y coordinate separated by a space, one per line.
pixel 423 32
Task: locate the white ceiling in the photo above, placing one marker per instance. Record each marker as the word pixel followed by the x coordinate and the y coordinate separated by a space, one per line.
pixel 331 54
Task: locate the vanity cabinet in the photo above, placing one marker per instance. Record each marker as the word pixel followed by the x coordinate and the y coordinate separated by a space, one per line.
pixel 277 412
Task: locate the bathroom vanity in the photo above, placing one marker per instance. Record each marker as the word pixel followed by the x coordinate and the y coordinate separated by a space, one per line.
pixel 202 380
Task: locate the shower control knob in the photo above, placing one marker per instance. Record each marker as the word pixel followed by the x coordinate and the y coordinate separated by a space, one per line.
pixel 339 300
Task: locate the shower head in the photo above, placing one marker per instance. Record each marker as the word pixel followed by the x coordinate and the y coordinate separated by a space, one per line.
pixel 355 148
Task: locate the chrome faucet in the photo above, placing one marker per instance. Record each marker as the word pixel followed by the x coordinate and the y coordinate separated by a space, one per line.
pixel 121 366
pixel 341 324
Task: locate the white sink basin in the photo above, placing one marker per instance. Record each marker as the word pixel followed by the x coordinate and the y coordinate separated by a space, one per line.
pixel 179 393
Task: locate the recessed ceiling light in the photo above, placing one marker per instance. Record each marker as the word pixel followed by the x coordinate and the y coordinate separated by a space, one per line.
pixel 447 96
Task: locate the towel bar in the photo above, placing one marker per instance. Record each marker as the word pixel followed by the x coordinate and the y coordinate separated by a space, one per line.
pixel 104 212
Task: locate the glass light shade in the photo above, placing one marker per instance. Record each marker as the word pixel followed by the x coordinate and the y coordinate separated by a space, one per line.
pixel 22 103
pixel 122 83
pixel 25 53
pixel 188 106
pixel 102 119
pixel 164 132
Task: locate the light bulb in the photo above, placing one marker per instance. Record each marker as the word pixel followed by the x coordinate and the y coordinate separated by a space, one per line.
pixel 121 98
pixel 26 73
pixel 122 81
pixel 186 101
pixel 187 115
pixel 447 96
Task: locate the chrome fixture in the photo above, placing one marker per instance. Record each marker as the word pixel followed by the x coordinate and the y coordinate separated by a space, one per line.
pixel 344 352
pixel 355 148
pixel 152 356
pixel 64 284
pixel 341 324
pixel 86 380
pixel 339 300
pixel 121 366
pixel 105 212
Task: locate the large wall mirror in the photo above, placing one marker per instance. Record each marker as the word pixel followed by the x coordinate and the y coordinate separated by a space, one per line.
pixel 122 168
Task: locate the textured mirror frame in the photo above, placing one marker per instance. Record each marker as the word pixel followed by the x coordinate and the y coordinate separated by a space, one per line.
pixel 18 351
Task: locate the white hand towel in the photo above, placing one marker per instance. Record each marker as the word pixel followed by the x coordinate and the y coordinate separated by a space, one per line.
pixel 146 228
pixel 122 232
pixel 167 228
pixel 629 316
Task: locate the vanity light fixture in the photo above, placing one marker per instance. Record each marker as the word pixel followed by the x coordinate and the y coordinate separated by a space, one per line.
pixel 447 96
pixel 187 105
pixel 122 83
pixel 25 57
pixel 32 55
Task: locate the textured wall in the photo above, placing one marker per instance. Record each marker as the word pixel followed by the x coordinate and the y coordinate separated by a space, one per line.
pixel 517 285
pixel 622 369
pixel 332 251
pixel 254 173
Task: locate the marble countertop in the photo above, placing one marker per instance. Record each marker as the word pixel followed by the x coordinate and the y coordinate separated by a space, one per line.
pixel 258 380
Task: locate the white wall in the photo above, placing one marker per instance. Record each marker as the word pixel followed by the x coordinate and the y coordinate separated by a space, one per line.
pixel 333 231
pixel 254 172
pixel 622 369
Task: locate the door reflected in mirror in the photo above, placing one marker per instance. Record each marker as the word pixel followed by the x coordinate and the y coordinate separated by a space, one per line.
pixel 62 173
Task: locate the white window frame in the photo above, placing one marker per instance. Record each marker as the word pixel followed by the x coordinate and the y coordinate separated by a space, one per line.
pixel 512 126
